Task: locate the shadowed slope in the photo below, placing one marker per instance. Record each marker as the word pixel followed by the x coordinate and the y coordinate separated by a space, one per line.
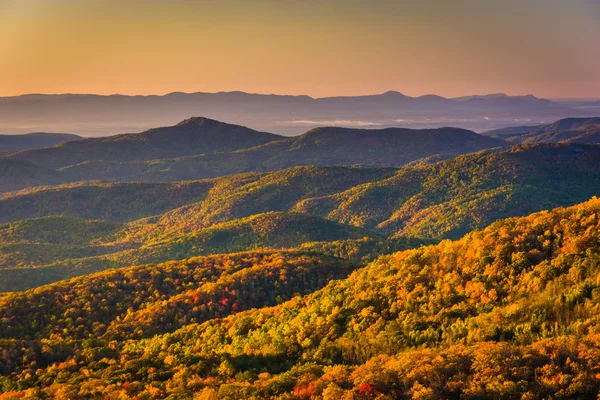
pixel 190 137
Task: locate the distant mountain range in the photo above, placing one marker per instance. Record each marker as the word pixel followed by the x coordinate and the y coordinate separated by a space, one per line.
pixel 95 115
pixel 203 148
pixel 199 148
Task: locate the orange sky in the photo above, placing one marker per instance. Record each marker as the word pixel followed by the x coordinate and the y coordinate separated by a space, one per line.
pixel 316 47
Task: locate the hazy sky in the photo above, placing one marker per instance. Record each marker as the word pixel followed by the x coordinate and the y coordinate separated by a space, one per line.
pixel 550 48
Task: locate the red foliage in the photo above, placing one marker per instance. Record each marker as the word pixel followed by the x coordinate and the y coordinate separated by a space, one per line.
pixel 368 390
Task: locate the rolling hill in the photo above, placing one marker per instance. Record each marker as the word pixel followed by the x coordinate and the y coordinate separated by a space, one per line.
pixel 20 174
pixel 446 199
pixel 125 202
pixel 509 311
pixel 391 147
pixel 256 210
pixel 28 261
pixel 118 202
pixel 136 288
pixel 190 137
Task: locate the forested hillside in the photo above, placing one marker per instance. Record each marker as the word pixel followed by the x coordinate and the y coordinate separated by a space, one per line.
pixel 88 246
pixel 335 278
pixel 285 209
pixel 199 148
pixel 509 311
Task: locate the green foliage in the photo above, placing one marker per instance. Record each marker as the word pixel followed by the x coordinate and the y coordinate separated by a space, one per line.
pixel 202 287
pixel 56 230
pixel 443 200
pixel 507 312
pixel 56 262
pixel 453 197
pixel 118 202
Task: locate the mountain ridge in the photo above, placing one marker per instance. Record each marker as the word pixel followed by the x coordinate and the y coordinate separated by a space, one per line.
pixel 392 147
pixel 192 136
pixel 101 115
pixel 567 130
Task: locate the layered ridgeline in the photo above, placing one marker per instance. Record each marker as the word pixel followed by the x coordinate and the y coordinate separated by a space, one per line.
pixel 203 148
pixel 95 115
pixel 569 130
pixel 507 312
pixel 434 200
pixel 256 210
pixel 392 147
pixel 29 260
pixel 190 137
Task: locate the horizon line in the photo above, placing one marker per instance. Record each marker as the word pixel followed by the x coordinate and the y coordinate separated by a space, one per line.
pixel 292 95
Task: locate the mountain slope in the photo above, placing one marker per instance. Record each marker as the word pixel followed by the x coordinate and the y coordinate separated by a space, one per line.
pixel 322 146
pixel 446 199
pixel 118 202
pixel 511 130
pixel 26 262
pixel 21 174
pixel 569 130
pixel 137 288
pixel 42 241
pixel 507 312
pixel 34 140
pixel 190 137
pixel 443 200
pixel 450 198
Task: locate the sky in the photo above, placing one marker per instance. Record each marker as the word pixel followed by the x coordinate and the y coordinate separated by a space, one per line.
pixel 550 48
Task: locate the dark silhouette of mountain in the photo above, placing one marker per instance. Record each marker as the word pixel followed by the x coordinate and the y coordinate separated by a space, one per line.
pixel 190 137
pixel 568 130
pixel 36 140
pixel 20 174
pixel 321 146
pixel 94 115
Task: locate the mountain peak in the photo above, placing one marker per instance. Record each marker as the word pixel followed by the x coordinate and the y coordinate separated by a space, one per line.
pixel 393 93
pixel 199 121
